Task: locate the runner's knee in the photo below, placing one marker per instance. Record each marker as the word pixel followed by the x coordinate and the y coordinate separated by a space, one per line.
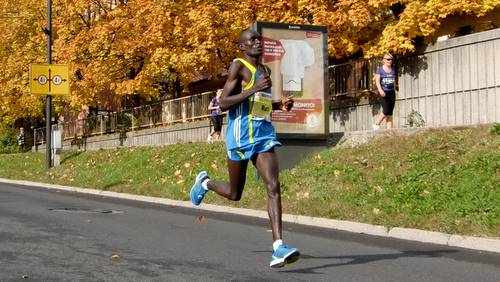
pixel 236 192
pixel 235 196
pixel 273 189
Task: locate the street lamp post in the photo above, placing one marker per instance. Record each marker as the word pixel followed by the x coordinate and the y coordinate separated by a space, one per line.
pixel 48 110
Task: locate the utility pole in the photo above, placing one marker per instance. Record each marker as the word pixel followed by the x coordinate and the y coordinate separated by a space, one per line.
pixel 48 110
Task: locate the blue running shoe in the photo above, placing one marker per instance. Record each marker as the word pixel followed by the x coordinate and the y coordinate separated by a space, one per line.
pixel 284 255
pixel 197 191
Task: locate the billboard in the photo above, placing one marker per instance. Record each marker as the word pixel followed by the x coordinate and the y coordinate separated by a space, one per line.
pixel 298 58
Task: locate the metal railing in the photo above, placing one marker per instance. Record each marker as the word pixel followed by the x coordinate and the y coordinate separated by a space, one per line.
pixel 348 79
pixel 162 113
pixel 352 78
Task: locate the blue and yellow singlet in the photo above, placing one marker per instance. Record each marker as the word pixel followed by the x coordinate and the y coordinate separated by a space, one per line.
pixel 249 128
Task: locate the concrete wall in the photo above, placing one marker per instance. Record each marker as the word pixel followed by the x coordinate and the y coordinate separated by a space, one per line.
pixel 453 82
pixel 196 131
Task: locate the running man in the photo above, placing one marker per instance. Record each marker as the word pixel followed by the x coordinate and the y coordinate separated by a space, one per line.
pixel 251 136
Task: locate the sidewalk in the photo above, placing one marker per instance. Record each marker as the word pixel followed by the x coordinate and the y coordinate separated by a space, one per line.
pixel 468 242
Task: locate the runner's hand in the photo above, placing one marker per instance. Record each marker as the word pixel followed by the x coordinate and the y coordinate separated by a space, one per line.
pixel 287 103
pixel 263 82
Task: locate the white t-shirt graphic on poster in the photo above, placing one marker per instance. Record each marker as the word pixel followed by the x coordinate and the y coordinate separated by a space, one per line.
pixel 298 55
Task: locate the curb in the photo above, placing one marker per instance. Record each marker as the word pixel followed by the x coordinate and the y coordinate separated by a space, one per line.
pixel 467 242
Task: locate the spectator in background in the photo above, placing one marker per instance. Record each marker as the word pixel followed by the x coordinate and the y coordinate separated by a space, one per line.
pixel 215 116
pixel 21 139
pixel 80 122
pixel 385 80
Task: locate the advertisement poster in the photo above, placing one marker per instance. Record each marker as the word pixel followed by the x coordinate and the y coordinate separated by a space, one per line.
pixel 298 56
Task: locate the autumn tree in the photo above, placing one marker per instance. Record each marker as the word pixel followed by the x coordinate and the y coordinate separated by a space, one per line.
pixel 119 48
pixel 22 43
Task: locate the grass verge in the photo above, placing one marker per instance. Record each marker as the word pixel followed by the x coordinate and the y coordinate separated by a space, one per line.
pixel 441 180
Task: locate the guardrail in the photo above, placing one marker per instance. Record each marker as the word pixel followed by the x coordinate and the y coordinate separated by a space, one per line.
pixel 162 113
pixel 352 78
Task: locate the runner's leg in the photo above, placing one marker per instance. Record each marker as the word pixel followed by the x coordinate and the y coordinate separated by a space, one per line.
pixel 268 168
pixel 237 176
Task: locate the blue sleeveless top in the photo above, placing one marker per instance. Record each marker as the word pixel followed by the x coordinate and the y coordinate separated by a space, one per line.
pixel 248 131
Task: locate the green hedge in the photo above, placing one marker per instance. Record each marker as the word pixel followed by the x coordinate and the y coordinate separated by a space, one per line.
pixel 8 141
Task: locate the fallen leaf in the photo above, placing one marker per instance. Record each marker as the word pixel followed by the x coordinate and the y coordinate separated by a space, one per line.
pixel 376 211
pixel 398 178
pixel 378 189
pixel 301 195
pixel 116 256
pixel 214 166
pixel 163 179
pixel 177 172
pixel 336 172
pixel 186 165
pixel 201 218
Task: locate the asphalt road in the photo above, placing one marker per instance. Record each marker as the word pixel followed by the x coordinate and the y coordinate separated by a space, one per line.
pixel 48 235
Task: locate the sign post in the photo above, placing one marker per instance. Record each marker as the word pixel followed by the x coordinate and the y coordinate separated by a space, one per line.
pixel 48 79
pixel 48 110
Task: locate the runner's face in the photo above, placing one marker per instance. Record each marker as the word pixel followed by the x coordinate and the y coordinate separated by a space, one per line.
pixel 252 43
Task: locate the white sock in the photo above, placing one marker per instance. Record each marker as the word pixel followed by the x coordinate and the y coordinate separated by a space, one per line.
pixel 276 244
pixel 204 184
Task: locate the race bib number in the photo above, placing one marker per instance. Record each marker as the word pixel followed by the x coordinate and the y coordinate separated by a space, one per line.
pixel 262 105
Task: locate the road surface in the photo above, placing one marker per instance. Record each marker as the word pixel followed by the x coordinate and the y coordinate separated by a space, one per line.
pixel 49 235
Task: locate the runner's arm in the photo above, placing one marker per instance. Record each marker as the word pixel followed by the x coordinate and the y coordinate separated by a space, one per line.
pixel 229 100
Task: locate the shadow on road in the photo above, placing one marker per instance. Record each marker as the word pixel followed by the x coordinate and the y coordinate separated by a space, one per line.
pixel 362 259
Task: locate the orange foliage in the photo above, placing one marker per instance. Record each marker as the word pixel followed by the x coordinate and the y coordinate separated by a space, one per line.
pixel 130 47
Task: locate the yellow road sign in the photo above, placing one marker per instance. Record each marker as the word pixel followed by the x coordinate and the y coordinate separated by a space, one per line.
pixel 49 79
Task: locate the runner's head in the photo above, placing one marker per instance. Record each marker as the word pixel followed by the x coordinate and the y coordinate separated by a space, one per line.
pixel 250 43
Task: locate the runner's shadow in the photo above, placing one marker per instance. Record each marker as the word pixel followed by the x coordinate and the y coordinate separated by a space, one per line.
pixel 69 156
pixel 109 185
pixel 362 259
